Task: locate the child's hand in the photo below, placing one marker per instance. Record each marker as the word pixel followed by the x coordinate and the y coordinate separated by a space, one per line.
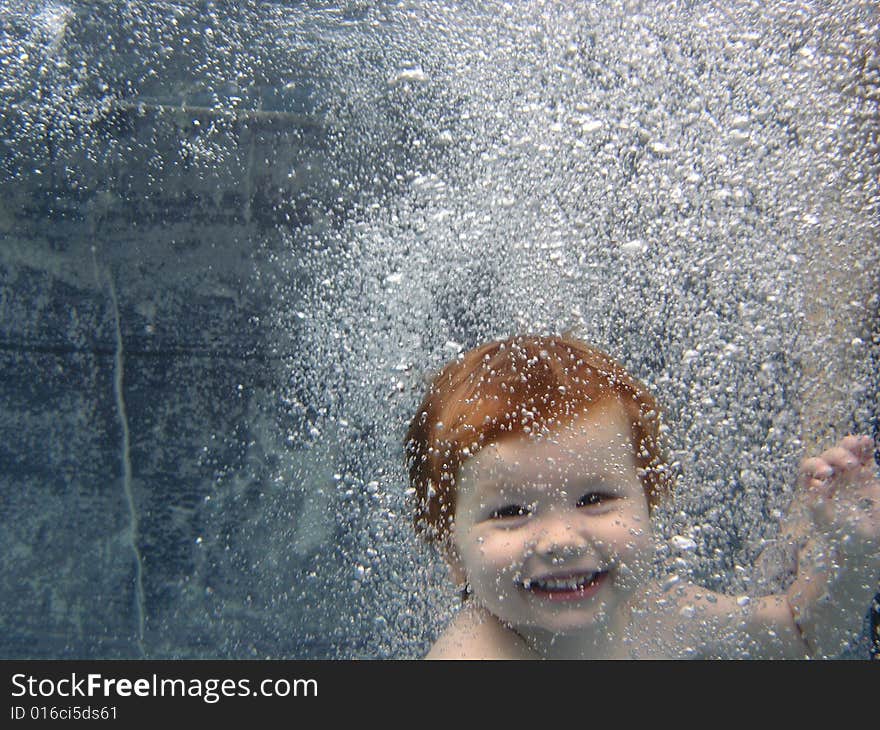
pixel 839 546
pixel 842 492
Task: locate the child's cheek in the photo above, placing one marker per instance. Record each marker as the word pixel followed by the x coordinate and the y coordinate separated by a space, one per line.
pixel 636 560
pixel 495 553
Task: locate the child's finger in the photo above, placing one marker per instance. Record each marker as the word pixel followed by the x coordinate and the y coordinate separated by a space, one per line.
pixel 840 459
pixel 815 468
pixel 853 442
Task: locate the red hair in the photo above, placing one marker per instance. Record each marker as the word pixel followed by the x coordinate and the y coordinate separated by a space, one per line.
pixel 517 386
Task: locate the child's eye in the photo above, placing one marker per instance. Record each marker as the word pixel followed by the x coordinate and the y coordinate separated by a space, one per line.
pixel 591 499
pixel 511 510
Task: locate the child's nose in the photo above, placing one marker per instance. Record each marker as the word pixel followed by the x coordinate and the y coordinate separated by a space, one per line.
pixel 557 538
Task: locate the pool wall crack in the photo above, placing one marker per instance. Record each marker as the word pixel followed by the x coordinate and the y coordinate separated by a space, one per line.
pixel 119 392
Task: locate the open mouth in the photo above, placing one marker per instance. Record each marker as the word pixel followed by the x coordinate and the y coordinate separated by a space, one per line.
pixel 566 587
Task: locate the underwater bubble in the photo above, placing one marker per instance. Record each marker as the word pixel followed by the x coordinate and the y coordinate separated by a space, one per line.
pixel 660 148
pixel 635 247
pixel 415 75
pixel 682 543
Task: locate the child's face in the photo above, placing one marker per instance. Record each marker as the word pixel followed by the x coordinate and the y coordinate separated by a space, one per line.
pixel 553 532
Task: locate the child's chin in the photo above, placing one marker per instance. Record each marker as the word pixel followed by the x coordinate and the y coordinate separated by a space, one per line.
pixel 573 621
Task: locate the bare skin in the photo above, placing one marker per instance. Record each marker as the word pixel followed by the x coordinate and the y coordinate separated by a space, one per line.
pixel 539 527
pixel 837 531
pixel 661 626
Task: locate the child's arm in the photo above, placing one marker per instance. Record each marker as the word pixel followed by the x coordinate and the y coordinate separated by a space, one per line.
pixel 839 557
pixel 689 621
pixel 838 545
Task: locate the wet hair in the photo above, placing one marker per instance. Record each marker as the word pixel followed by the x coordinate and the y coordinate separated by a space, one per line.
pixel 525 384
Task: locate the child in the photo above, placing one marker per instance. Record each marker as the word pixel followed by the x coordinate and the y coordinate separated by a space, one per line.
pixel 537 461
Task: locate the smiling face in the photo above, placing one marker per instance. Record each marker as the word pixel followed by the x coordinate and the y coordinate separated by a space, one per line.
pixel 553 532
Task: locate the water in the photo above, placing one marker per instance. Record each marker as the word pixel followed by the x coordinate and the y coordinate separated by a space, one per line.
pixel 235 238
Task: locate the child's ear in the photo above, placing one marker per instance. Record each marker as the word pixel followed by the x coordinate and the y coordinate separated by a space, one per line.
pixel 456 570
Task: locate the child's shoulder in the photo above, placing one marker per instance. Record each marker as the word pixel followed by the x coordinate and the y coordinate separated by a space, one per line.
pixel 474 633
